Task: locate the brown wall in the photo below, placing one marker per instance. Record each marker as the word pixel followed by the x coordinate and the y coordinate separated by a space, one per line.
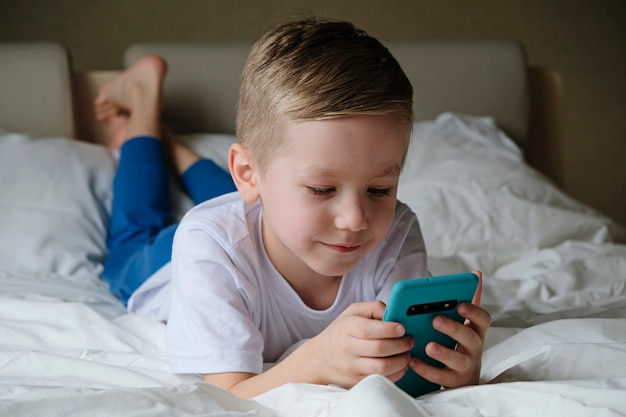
pixel 585 40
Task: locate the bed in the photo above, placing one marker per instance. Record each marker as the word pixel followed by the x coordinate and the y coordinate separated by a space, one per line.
pixel 482 174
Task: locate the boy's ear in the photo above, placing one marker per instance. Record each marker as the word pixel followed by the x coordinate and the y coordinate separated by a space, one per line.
pixel 243 173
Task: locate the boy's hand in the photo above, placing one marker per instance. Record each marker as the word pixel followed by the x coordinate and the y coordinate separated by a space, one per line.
pixel 463 364
pixel 357 344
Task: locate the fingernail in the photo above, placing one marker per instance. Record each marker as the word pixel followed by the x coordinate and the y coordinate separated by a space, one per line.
pixel 434 349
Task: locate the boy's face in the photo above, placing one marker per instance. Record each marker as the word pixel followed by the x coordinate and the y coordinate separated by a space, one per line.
pixel 330 196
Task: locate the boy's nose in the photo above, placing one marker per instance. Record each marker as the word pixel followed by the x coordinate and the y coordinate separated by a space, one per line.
pixel 351 214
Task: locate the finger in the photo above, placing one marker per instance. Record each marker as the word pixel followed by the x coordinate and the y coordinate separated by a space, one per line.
pixel 445 377
pixel 365 321
pixel 479 290
pixel 465 336
pixel 456 361
pixel 368 329
pixel 476 318
pixel 370 310
pixel 383 348
pixel 392 367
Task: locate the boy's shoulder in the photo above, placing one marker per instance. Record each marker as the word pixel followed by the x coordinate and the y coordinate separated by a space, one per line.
pixel 227 208
pixel 404 214
pixel 226 232
pixel 227 219
pixel 221 202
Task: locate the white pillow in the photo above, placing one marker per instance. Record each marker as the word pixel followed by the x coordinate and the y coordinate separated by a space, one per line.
pixel 55 196
pixel 474 195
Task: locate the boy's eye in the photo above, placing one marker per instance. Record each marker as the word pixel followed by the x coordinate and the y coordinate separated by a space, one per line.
pixel 374 192
pixel 379 192
pixel 321 191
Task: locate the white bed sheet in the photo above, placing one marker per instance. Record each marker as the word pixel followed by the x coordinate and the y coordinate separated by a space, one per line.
pixel 66 358
pixel 555 283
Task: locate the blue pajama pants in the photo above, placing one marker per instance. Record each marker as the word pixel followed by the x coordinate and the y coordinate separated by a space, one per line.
pixel 141 231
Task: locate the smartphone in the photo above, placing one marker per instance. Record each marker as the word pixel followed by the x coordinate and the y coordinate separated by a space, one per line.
pixel 414 303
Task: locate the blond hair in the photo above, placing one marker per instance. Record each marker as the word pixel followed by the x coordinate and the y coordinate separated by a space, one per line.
pixel 315 70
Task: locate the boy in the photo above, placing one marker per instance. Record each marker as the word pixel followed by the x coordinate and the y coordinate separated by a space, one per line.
pixel 309 247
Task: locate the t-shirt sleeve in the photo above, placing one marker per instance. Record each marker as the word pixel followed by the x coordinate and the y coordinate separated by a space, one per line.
pixel 210 327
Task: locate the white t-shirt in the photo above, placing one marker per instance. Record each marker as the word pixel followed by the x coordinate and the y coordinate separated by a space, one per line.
pixel 231 311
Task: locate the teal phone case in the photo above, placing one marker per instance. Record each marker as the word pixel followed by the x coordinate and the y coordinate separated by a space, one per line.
pixel 414 303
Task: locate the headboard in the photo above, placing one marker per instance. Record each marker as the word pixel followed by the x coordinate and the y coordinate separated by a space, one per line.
pixel 481 77
pixel 35 90
pixel 472 76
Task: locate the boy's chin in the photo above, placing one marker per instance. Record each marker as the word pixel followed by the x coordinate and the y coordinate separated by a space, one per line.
pixel 335 271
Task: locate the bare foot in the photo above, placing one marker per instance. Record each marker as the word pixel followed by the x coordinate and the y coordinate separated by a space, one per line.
pixel 117 128
pixel 135 93
pixel 123 91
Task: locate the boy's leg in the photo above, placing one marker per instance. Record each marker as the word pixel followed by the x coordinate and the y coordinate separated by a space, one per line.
pixel 140 236
pixel 202 179
pixel 139 239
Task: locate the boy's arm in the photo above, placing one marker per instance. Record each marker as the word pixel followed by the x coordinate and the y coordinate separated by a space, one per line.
pixel 358 344
pixel 353 346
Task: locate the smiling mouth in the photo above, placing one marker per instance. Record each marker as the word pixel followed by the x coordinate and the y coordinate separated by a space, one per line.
pixel 347 248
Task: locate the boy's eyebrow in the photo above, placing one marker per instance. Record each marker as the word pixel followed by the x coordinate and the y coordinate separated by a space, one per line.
pixel 326 172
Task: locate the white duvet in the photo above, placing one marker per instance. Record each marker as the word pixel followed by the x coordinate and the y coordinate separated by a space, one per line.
pixel 555 284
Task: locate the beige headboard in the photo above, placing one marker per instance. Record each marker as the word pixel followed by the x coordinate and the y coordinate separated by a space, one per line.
pixel 481 77
pixel 35 90
pixel 478 77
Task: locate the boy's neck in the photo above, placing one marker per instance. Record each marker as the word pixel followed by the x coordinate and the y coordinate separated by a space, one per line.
pixel 317 293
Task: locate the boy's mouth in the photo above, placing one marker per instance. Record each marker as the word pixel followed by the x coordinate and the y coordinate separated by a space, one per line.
pixel 343 247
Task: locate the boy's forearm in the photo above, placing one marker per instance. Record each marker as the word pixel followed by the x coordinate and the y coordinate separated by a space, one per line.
pixel 296 368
